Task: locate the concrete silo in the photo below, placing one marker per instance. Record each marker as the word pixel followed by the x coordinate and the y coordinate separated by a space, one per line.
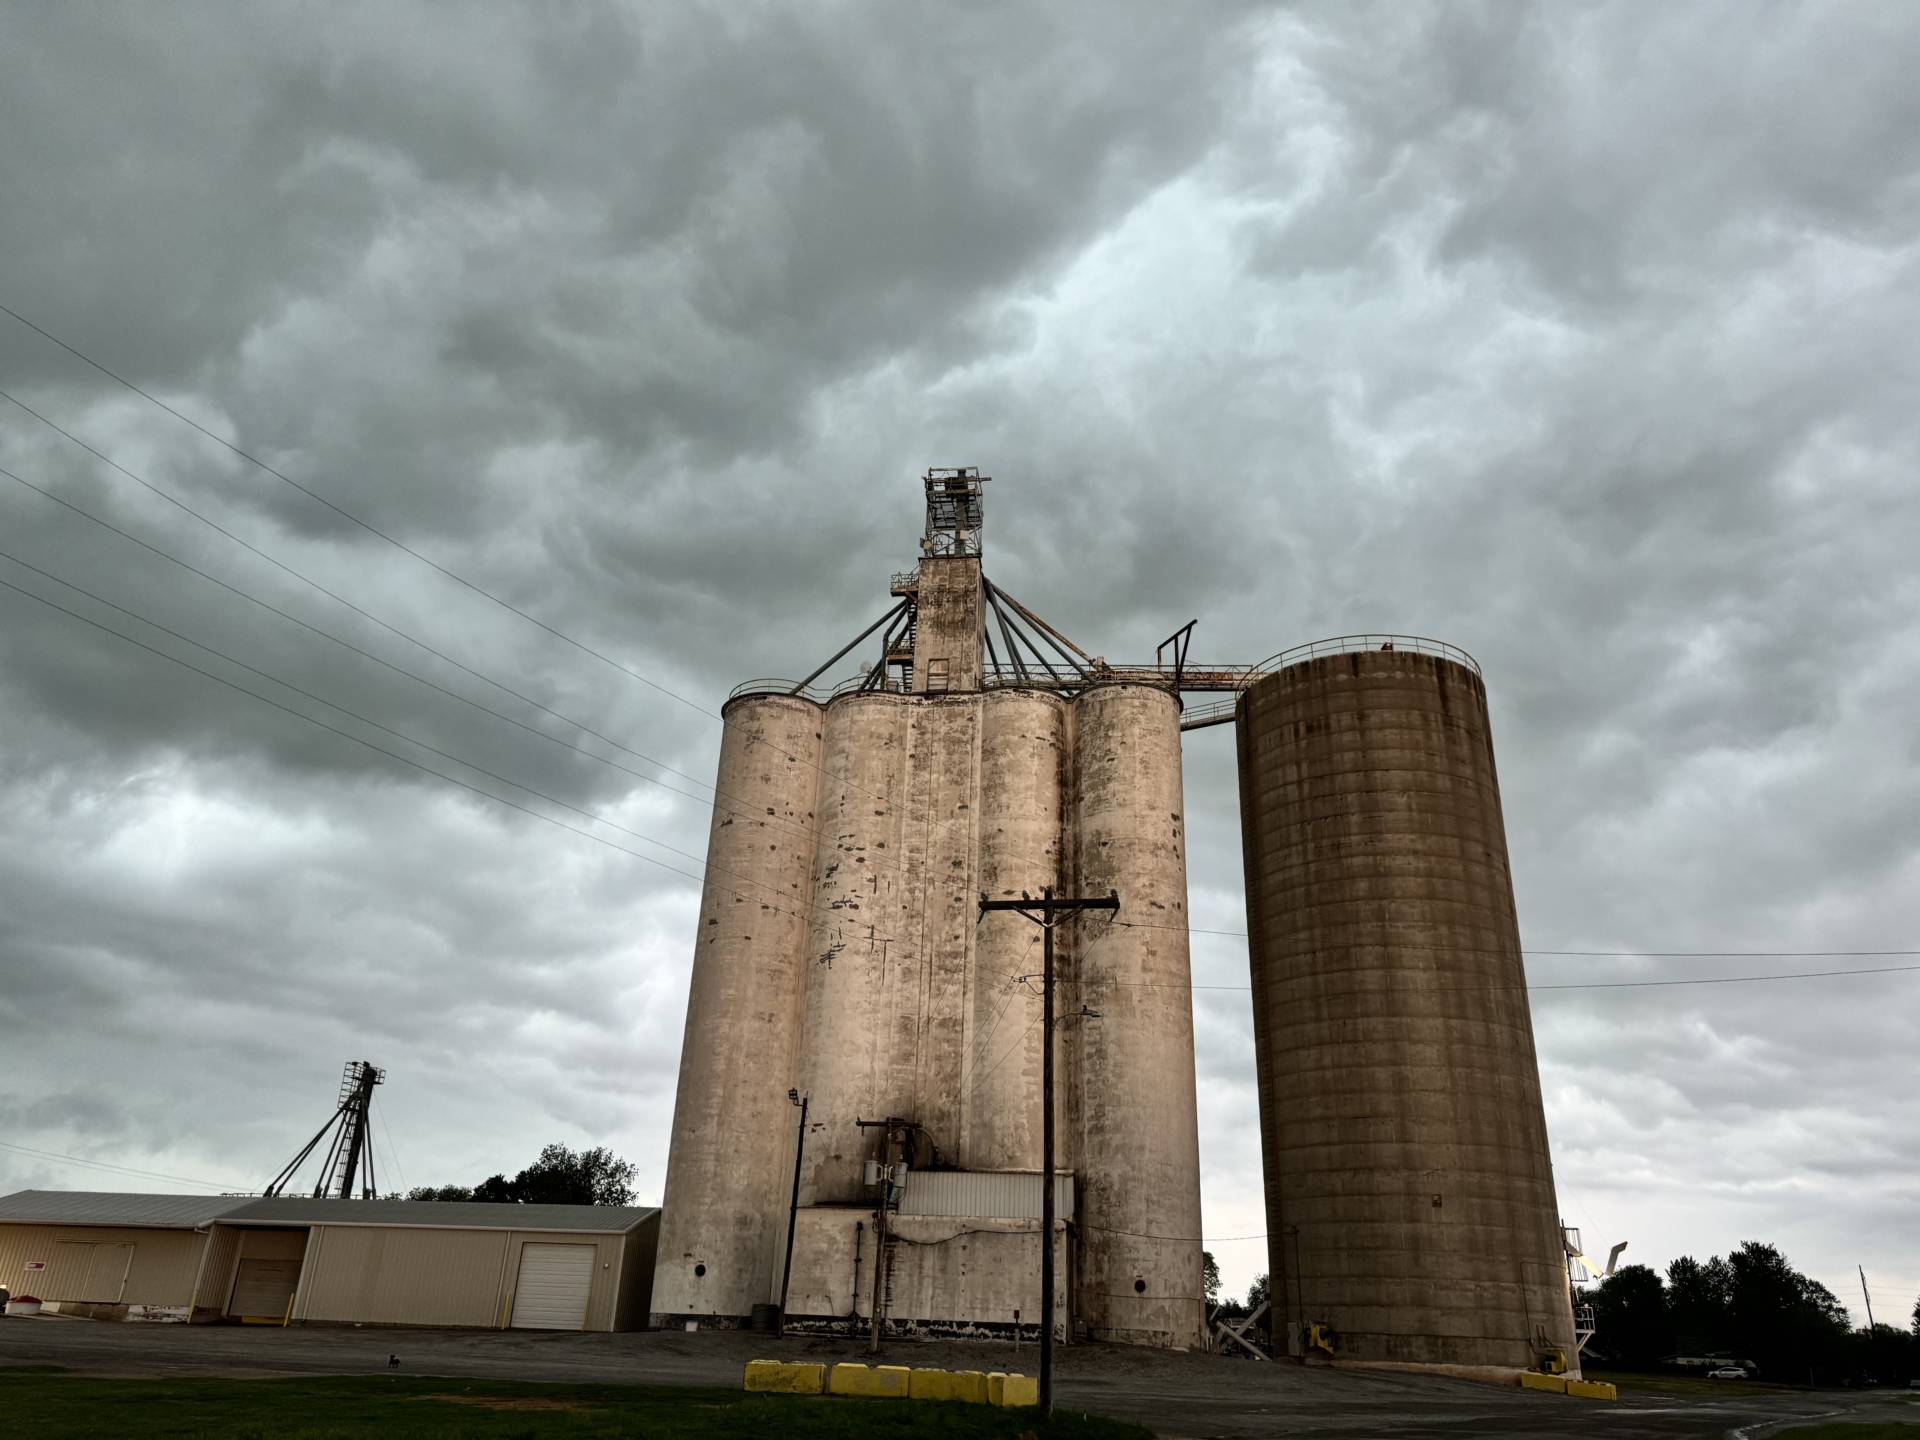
pixel 1409 1190
pixel 722 1209
pixel 962 767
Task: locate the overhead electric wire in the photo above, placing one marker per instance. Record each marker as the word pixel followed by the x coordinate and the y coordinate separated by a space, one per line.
pixel 339 510
pixel 352 714
pixel 370 528
pixel 394 755
pixel 434 685
pixel 709 867
pixel 117 1169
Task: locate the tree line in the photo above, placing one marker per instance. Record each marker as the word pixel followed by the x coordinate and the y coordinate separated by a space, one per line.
pixel 1750 1307
pixel 558 1176
pixel 1753 1307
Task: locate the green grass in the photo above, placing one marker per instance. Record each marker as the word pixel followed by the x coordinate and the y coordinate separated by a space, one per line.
pixel 42 1405
pixel 1652 1384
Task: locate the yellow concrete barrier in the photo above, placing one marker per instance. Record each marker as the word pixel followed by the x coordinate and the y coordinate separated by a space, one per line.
pixel 781 1377
pixel 1592 1389
pixel 1534 1380
pixel 889 1382
pixel 1012 1390
pixel 969 1385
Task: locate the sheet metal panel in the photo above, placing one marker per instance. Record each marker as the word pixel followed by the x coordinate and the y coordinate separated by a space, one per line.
pixel 998 1194
pixel 161 1273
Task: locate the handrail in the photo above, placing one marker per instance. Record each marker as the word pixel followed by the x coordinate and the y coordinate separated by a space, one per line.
pixel 1349 644
pixel 776 687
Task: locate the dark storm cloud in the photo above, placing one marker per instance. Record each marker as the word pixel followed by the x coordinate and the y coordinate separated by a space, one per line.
pixel 1575 335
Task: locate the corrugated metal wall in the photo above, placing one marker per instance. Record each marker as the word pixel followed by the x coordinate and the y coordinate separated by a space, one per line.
pixel 216 1272
pixel 635 1297
pixel 161 1273
pixel 397 1275
pixel 1001 1194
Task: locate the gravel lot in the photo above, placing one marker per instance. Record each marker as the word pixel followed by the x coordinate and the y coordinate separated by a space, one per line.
pixel 1175 1395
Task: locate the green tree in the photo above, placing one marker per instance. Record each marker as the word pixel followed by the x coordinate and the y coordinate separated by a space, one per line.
pixel 559 1176
pixel 1916 1319
pixel 1258 1293
pixel 1631 1323
pixel 440 1192
pixel 1210 1277
pixel 1698 1300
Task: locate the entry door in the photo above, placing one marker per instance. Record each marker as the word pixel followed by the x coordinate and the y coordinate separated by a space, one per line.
pixel 554 1283
pixel 263 1288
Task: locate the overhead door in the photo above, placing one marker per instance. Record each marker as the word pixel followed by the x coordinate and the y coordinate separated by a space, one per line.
pixel 263 1289
pixel 555 1282
pixel 83 1271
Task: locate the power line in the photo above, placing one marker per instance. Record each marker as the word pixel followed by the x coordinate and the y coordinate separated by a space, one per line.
pixel 117 1169
pixel 802 830
pixel 342 512
pixel 393 755
pixel 1579 954
pixel 1581 985
pixel 353 714
pixel 373 530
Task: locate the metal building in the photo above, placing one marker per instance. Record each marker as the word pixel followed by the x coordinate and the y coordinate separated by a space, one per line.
pixel 1410 1201
pixel 360 1262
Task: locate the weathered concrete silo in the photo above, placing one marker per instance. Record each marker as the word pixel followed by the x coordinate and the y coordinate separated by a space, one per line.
pixel 722 1206
pixel 856 970
pixel 1409 1190
pixel 1138 1124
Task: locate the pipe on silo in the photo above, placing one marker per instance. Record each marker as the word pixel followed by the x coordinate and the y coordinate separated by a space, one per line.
pixel 1410 1200
pixel 1023 800
pixel 724 1209
pixel 1138 1276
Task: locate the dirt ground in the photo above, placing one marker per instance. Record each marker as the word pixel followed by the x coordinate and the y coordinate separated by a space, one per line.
pixel 1175 1395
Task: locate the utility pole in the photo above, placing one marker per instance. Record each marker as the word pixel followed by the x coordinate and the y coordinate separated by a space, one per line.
pixel 1866 1297
pixel 793 1206
pixel 892 1126
pixel 1048 915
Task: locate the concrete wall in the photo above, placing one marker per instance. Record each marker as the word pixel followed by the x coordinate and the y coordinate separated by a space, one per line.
pixel 1410 1197
pixel 1136 1114
pixel 732 1125
pixel 947 623
pixel 946 1271
pixel 159 1271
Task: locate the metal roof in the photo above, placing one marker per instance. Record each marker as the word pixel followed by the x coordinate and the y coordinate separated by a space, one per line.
pixel 100 1207
pixel 441 1215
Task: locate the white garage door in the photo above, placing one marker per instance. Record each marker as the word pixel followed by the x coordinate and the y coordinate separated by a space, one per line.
pixel 552 1291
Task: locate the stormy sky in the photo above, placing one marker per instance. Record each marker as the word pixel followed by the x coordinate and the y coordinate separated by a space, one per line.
pixel 1578 335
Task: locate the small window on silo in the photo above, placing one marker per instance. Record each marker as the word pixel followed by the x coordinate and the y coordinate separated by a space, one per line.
pixel 936 675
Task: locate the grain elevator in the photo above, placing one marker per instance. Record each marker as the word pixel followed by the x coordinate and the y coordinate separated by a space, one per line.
pixel 858 1124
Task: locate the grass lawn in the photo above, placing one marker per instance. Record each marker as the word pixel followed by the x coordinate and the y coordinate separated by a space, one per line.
pixel 41 1404
pixel 1652 1384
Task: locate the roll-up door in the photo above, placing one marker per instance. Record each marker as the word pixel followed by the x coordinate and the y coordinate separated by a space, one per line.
pixel 554 1283
pixel 263 1288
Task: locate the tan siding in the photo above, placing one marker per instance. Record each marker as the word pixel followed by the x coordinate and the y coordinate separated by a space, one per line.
pixel 216 1271
pixel 162 1272
pixel 635 1293
pixel 385 1275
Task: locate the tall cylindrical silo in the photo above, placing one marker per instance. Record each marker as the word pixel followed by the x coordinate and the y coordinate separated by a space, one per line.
pixel 863 961
pixel 1023 798
pixel 1410 1200
pixel 732 1124
pixel 1138 1151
